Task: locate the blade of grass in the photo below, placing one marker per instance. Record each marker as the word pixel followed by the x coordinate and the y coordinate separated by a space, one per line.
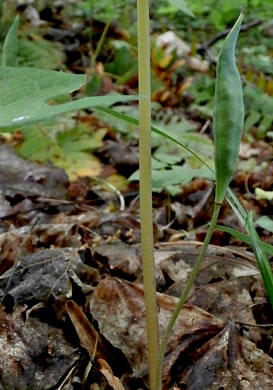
pixel 245 238
pixel 262 260
pixel 236 206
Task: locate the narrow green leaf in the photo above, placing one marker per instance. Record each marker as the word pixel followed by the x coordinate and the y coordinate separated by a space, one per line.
pixel 228 118
pixel 9 54
pixel 262 260
pixel 25 93
pixel 245 238
pixel 162 133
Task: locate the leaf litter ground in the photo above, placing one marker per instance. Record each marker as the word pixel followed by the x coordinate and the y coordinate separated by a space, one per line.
pixel 72 310
pixel 72 297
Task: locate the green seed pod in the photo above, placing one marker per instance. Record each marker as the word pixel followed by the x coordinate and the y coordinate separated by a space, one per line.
pixel 228 118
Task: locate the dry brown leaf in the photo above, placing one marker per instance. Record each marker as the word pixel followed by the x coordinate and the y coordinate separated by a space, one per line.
pixel 89 337
pixel 222 286
pixel 14 245
pixel 113 381
pixel 121 257
pixel 43 276
pixel 228 361
pixel 118 306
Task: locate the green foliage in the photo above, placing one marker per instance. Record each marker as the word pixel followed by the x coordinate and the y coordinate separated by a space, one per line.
pixel 259 110
pixel 123 64
pixel 34 51
pixel 104 10
pixel 9 54
pixel 228 118
pixel 69 149
pixel 27 99
pixel 171 177
pixel 220 13
pixel 27 92
pixel 175 5
pixel 245 238
pixel 167 172
pixel 261 258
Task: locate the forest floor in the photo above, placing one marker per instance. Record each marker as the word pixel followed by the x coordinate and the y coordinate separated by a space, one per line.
pixel 72 311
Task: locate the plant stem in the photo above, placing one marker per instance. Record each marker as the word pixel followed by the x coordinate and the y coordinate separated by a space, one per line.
pixel 185 293
pixel 99 45
pixel 146 187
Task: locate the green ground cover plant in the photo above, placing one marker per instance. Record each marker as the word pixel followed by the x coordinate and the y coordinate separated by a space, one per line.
pixel 228 128
pixel 26 92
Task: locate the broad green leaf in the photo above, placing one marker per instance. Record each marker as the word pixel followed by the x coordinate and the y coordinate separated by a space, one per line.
pixel 25 93
pixel 38 145
pixel 162 179
pixel 37 52
pixel 69 149
pixel 265 223
pixel 77 164
pixel 9 54
pixel 80 139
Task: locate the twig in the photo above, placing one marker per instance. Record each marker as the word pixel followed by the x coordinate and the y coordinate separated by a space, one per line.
pixel 204 48
pixel 222 34
pixel 254 325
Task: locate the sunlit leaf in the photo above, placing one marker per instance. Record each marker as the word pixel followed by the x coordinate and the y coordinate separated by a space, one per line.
pixel 25 93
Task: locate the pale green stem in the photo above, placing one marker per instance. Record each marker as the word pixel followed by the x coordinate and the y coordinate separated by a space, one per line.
pixel 146 215
pixel 99 45
pixel 184 295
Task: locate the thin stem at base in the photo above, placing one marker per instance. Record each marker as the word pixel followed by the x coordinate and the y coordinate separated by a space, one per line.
pixel 147 248
pixel 184 295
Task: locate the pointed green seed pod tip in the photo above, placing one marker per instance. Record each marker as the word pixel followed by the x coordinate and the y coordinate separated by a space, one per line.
pixel 228 118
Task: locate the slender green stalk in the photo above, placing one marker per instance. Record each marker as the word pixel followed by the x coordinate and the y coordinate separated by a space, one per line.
pixel 185 293
pixel 146 187
pixel 99 45
pixel 261 258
